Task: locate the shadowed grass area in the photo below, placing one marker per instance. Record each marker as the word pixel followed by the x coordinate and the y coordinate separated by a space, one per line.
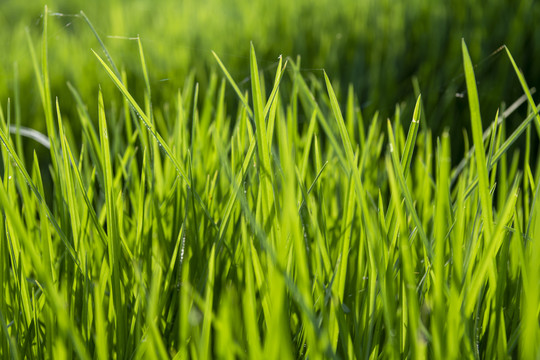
pixel 177 225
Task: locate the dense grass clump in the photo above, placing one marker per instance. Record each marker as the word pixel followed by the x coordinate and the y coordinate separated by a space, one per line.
pixel 289 227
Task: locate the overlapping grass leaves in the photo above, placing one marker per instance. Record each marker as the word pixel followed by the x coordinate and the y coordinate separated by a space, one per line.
pixel 281 230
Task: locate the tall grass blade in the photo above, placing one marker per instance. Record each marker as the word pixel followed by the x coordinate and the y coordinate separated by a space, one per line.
pixel 480 155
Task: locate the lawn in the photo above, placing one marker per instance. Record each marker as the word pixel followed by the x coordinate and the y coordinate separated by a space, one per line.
pixel 217 200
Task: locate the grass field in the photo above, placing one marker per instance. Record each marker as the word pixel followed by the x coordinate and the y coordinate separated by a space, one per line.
pixel 261 215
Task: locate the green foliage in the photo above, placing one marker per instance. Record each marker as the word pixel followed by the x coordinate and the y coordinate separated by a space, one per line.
pixel 384 48
pixel 275 228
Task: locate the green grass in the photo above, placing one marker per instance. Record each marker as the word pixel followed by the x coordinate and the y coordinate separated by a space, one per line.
pixel 390 51
pixel 278 225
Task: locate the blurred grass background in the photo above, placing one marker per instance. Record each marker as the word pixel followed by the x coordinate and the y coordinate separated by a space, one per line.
pixel 379 47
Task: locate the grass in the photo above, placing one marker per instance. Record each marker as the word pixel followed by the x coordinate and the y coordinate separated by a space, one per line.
pixel 286 226
pixel 389 51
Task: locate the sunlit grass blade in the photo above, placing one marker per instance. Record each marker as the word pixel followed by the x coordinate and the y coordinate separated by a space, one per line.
pixel 144 118
pixel 440 233
pixel 525 89
pixel 209 298
pixel 145 70
pixel 67 185
pixel 279 75
pixel 398 170
pixel 341 124
pixel 265 171
pixel 413 309
pixel 309 99
pixel 492 247
pixel 112 229
pixel 530 334
pixel 351 166
pixel 411 138
pixel 480 155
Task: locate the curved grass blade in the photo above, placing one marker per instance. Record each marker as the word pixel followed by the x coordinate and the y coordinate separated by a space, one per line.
pixel 525 88
pixel 31 134
pixel 341 123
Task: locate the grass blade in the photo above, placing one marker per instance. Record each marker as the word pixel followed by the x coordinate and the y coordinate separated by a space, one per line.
pixel 480 154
